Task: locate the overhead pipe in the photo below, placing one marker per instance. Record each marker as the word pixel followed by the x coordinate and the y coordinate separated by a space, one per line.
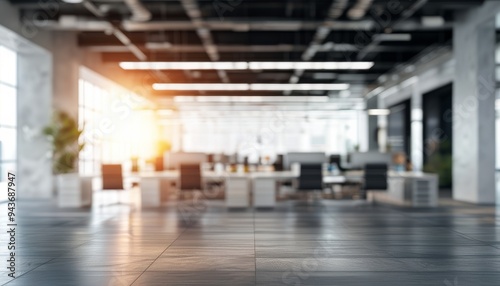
pixel 336 10
pixel 194 12
pixel 116 32
pixel 404 16
pixel 359 10
pixel 139 12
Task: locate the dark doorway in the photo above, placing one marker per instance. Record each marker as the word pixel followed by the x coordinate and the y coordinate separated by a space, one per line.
pixel 399 128
pixel 438 135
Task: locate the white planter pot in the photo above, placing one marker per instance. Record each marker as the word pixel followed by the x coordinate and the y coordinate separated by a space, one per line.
pixel 73 191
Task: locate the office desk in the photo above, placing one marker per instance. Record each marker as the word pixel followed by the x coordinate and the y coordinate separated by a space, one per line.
pixel 263 185
pixel 415 189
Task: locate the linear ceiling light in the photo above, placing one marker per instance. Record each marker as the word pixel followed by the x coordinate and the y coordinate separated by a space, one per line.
pixel 392 37
pixel 379 112
pixel 201 86
pixel 244 86
pixel 246 65
pixel 299 86
pixel 250 99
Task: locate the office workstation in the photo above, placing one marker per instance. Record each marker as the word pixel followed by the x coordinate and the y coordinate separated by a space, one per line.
pixel 217 142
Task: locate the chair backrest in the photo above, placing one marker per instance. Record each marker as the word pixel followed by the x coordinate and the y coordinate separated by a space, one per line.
pixel 112 177
pixel 336 159
pixel 311 177
pixel 190 177
pixel 278 164
pixel 376 176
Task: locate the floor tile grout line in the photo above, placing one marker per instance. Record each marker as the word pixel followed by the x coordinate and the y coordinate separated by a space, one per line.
pixel 54 258
pixel 30 270
pixel 427 221
pixel 158 257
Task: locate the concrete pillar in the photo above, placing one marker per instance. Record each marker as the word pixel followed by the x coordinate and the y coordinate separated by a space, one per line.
pixel 66 72
pixel 417 129
pixel 474 105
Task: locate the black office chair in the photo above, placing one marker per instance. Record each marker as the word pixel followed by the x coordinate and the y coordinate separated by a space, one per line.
pixel 310 178
pixel 337 159
pixel 375 178
pixel 190 178
pixel 278 164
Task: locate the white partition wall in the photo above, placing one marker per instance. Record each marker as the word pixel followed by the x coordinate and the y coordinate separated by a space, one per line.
pixel 304 158
pixel 358 160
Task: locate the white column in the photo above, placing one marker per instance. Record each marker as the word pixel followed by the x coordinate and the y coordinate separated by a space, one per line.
pixel 363 131
pixel 417 144
pixel 382 125
pixel 474 105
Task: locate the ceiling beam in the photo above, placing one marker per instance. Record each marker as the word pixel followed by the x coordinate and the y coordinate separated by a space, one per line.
pixel 86 24
pixel 188 49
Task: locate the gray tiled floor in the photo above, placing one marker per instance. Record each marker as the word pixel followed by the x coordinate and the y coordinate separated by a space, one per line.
pixel 327 243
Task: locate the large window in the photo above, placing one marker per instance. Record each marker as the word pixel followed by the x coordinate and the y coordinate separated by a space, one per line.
pixel 108 114
pixel 8 113
pixel 269 133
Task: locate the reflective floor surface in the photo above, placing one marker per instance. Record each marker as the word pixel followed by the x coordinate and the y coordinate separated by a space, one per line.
pixel 298 243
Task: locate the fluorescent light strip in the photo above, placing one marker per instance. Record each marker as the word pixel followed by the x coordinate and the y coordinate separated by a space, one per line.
pixel 246 65
pixel 299 86
pixel 379 112
pixel 201 86
pixel 244 86
pixel 250 99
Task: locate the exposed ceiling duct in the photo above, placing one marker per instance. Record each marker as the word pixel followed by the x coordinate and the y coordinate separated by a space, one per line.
pixel 377 39
pixel 193 11
pixel 359 10
pixel 336 10
pixel 139 12
pixel 86 24
pixel 116 32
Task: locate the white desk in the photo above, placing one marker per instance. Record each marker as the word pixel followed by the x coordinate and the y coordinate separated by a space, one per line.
pixel 263 185
pixel 414 189
pixel 237 191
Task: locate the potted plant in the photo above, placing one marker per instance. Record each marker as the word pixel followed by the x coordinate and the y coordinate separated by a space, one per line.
pixel 64 134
